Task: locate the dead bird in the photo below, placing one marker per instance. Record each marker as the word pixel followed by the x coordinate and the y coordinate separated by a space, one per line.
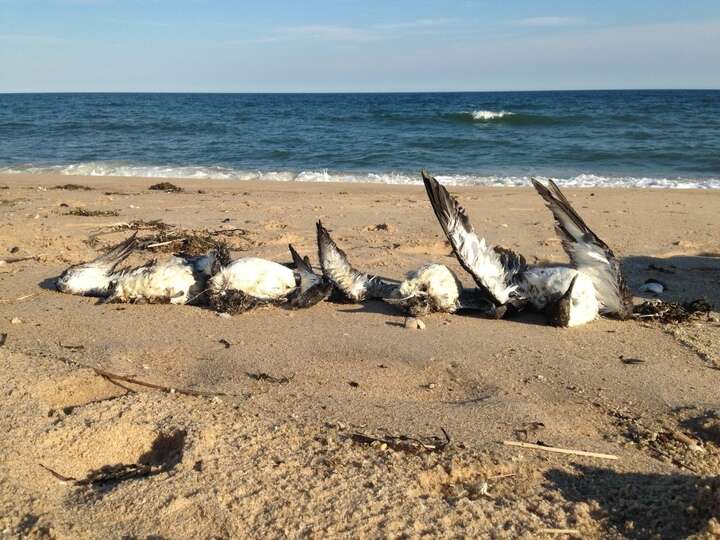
pixel 171 280
pixel 570 295
pixel 94 278
pixel 433 287
pixel 311 288
pixel 251 282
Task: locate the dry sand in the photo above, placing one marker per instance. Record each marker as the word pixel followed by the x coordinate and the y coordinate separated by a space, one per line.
pixel 276 459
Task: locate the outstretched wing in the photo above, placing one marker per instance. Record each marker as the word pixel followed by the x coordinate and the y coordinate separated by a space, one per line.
pixel 587 252
pixel 336 267
pixel 117 254
pixel 493 269
pixel 355 285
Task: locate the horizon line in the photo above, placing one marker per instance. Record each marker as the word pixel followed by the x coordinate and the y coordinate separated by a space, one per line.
pixel 325 92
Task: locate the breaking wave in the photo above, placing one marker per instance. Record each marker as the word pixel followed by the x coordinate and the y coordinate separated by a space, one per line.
pixel 490 115
pixel 105 168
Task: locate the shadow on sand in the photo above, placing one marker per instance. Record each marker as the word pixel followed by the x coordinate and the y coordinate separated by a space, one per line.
pixel 687 277
pixel 643 505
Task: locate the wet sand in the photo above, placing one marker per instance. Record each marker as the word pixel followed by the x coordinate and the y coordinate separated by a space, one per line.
pixel 276 459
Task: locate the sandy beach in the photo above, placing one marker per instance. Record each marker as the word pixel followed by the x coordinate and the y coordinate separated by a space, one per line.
pixel 278 453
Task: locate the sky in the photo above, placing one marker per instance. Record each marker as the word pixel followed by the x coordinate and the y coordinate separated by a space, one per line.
pixel 353 45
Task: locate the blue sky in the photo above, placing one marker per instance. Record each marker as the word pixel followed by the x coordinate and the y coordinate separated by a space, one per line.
pixel 349 45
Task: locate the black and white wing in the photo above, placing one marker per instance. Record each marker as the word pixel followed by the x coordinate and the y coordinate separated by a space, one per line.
pixel 116 254
pixel 588 253
pixel 355 285
pixel 493 269
pixel 312 288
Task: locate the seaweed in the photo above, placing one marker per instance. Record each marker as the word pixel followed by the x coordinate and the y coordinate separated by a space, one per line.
pixel 673 312
pixel 84 212
pixel 167 187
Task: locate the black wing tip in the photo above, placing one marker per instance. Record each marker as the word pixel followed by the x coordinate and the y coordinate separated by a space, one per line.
pixel 301 263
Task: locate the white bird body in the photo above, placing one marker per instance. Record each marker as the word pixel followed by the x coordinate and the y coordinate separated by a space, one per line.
pixel 94 278
pixel 88 280
pixel 172 280
pixel 255 277
pixel 434 285
pixel 544 286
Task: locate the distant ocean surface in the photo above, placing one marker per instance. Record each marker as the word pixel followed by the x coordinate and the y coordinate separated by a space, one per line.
pixel 603 138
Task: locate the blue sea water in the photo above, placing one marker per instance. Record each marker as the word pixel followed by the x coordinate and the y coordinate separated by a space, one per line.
pixel 613 138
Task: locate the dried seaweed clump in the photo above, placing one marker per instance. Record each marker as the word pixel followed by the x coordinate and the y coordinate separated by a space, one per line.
pixel 234 302
pixel 73 187
pixel 84 212
pixel 167 187
pixel 671 312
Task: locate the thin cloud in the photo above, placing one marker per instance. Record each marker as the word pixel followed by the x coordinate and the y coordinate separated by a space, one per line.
pixel 550 21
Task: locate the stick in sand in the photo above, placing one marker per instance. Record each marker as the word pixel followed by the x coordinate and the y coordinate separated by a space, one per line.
pixel 559 450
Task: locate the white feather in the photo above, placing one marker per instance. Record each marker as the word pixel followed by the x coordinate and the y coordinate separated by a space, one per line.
pixel 259 278
pixel 168 280
pixel 544 285
pixel 435 281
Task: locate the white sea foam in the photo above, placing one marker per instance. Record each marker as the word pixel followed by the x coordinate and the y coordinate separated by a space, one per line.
pixel 106 168
pixel 490 115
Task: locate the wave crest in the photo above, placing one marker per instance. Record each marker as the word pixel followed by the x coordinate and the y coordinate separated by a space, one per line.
pixel 490 115
pixel 109 168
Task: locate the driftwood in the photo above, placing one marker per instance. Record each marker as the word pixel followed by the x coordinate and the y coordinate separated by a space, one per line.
pixel 403 443
pixel 559 450
pixel 114 378
pixel 109 473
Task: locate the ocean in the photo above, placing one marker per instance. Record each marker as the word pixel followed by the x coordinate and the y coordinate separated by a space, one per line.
pixel 584 138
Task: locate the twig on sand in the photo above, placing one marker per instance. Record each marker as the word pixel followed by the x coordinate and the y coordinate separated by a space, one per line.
pixel 11 260
pixel 160 244
pixel 404 443
pixel 19 299
pixel 114 378
pixel 559 450
pixel 559 531
pixel 108 473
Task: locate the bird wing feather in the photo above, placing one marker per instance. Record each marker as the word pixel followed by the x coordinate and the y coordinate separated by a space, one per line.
pixel 587 252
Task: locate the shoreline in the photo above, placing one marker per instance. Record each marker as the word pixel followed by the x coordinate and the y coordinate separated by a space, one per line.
pixel 321 176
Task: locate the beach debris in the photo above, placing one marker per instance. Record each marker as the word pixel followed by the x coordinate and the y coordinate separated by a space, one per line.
pixel 262 376
pixel 84 212
pixel 631 361
pixel 19 298
pixel 71 347
pixel 167 187
pixel 354 384
pixel 14 249
pixel 12 260
pixel 166 452
pixel 379 227
pixel 16 320
pixel 671 312
pixel 73 187
pixel 559 450
pixel 572 532
pixel 413 323
pixel 654 286
pixel 688 441
pixel 404 443
pixel 3 339
pixel 661 269
pixel 225 342
pixel 529 428
pixel 108 473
